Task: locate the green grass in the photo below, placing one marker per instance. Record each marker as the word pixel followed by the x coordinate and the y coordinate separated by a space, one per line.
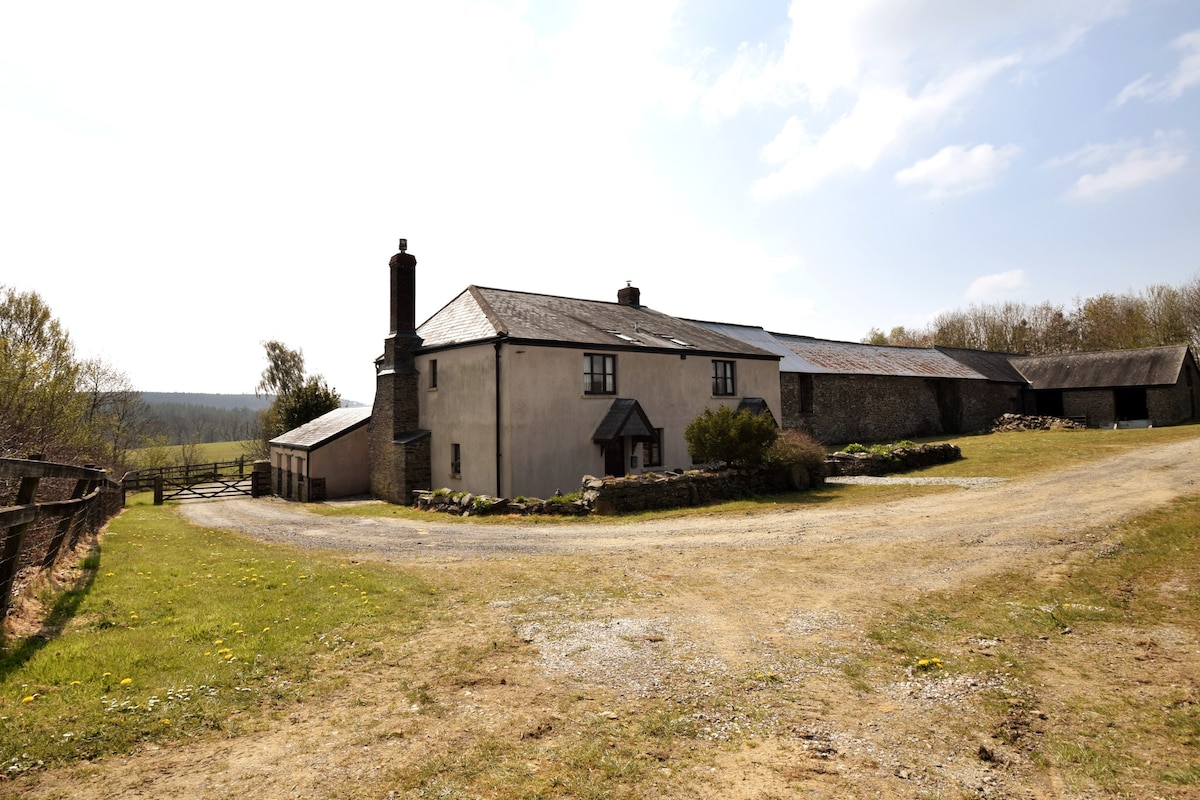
pixel 179 629
pixel 1017 454
pixel 208 451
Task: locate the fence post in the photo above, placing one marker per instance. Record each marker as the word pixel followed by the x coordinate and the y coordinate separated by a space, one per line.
pixel 11 549
pixel 82 487
pixel 158 489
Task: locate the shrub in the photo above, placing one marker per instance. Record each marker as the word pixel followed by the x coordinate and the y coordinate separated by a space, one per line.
pixel 793 447
pixel 734 438
pixel 854 448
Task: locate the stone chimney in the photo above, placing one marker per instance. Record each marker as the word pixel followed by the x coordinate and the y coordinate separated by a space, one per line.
pixel 399 449
pixel 630 295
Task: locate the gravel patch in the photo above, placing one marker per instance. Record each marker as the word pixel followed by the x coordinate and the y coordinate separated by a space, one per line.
pixel 966 483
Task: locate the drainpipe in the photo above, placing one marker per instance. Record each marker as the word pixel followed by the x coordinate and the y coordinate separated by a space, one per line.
pixel 497 346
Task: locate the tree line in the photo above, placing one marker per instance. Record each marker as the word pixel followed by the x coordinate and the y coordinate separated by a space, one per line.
pixel 74 410
pixel 1160 314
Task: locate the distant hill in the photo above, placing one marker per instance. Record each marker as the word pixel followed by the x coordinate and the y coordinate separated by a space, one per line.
pixel 229 401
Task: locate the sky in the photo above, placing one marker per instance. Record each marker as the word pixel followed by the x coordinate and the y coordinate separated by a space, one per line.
pixel 181 182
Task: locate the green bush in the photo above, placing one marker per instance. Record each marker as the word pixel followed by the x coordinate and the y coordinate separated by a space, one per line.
pixel 733 438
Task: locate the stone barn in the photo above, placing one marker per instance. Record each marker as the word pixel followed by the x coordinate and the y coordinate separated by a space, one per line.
pixel 1148 386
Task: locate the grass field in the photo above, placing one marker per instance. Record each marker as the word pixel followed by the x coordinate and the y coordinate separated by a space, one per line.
pixel 178 634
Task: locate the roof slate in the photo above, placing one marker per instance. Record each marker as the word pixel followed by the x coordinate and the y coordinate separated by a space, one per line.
pixel 324 428
pixel 625 417
pixel 1151 366
pixel 481 313
pixel 991 365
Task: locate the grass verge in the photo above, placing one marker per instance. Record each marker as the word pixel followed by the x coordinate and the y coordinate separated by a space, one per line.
pixel 177 629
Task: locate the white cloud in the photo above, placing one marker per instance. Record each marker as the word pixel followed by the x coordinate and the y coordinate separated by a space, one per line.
pixel 860 138
pixel 957 170
pixel 1171 86
pixel 1125 165
pixel 1001 283
pixel 897 68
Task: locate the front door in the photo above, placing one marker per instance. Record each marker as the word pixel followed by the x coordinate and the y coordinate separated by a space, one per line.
pixel 614 458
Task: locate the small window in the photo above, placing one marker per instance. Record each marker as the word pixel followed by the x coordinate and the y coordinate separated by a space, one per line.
pixel 456 459
pixel 652 451
pixel 599 374
pixel 806 393
pixel 723 383
pixel 433 373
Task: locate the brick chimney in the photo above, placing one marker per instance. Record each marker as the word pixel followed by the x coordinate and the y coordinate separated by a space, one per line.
pixel 398 449
pixel 630 295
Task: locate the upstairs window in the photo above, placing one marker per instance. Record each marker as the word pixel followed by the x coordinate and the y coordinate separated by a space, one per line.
pixel 599 374
pixel 723 383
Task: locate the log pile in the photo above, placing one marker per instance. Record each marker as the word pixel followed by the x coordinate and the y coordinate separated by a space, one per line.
pixel 1026 422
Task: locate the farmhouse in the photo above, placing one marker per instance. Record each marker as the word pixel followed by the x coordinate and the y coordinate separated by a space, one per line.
pixel 513 393
pixel 324 458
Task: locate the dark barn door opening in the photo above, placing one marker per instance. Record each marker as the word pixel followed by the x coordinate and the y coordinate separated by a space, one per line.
pixel 1131 403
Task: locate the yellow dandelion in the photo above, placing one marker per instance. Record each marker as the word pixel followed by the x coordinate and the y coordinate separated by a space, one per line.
pixel 208 652
pixel 126 681
pixel 106 675
pixel 109 574
pixel 166 722
pixel 266 629
pixel 76 683
pixel 29 698
pixel 219 641
pixel 228 656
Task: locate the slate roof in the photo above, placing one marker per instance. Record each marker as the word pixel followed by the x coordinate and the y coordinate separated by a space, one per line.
pixel 625 417
pixel 991 365
pixel 481 314
pixel 1151 366
pixel 325 428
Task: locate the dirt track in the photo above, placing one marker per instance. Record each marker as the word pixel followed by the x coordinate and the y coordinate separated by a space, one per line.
pixel 786 592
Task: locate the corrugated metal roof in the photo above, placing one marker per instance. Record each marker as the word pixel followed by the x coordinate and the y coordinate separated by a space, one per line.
pixel 1151 366
pixel 993 366
pixel 760 338
pixel 849 358
pixel 482 313
pixel 324 428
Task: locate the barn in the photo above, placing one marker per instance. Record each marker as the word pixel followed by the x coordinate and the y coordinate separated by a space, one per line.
pixel 323 459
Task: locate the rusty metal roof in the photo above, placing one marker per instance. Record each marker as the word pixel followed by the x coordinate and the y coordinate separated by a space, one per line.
pixel 849 358
pixel 481 313
pixel 1151 366
pixel 325 428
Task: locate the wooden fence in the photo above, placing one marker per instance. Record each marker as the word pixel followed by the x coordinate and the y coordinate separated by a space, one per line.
pixel 74 501
pixel 212 479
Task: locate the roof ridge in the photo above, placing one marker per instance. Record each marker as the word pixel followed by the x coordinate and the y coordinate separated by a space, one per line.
pixel 488 311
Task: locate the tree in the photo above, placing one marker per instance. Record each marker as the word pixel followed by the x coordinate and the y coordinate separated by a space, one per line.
pixel 733 438
pixel 39 406
pixel 115 415
pixel 298 398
